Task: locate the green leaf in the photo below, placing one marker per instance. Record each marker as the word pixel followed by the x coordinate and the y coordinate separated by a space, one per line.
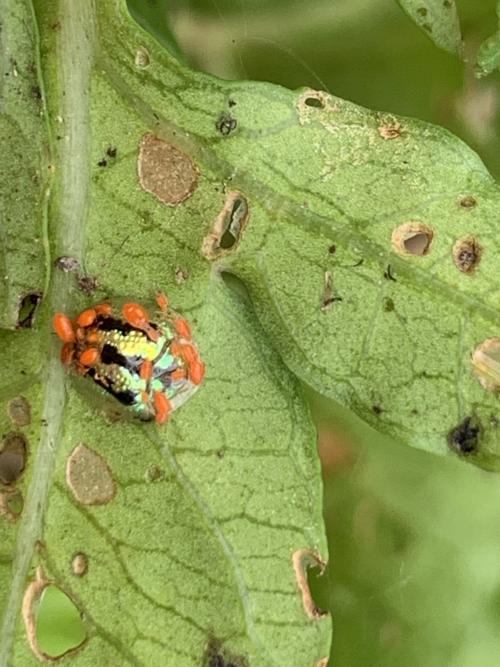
pixel 23 145
pixel 190 554
pixel 439 20
pixel 488 56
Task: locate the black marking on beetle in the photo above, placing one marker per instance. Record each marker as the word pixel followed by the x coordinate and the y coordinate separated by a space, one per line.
pixel 110 355
pixel 106 323
pixel 125 397
pixel 464 438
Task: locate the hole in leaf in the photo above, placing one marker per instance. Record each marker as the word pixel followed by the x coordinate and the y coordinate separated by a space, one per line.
pixel 303 560
pixel 486 363
pixel 228 226
pixel 59 625
pixel 314 102
pixel 467 254
pixel 12 457
pixel 465 437
pixel 313 99
pixel 412 238
pixel 19 411
pixel 27 310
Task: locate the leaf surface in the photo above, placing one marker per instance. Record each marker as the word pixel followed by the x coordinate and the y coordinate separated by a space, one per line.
pixel 189 559
pixel 488 56
pixel 438 19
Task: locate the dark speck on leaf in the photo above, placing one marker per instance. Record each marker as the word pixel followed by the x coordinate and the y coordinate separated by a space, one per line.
pixel 388 273
pixel 102 163
pixel 111 152
pixel 464 438
pixel 226 125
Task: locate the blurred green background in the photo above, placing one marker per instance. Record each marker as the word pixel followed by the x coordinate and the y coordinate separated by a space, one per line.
pixel 414 573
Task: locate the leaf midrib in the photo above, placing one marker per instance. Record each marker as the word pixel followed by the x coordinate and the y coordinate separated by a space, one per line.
pixel 75 55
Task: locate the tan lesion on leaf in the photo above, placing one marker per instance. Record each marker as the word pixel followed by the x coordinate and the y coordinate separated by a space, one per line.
pixel 165 171
pixel 13 452
pixel 323 662
pixel 412 238
pixel 390 130
pixel 228 227
pixel 31 597
pixel 89 477
pixel 302 560
pixel 11 503
pixel 19 411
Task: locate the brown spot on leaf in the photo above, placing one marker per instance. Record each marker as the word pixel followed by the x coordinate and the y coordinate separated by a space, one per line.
pixel 11 505
pixel 67 264
pixel 88 284
pixel 329 298
pixel 154 474
pixel 467 254
pixel 323 662
pixel 165 171
pixel 216 655
pixel 468 202
pixel 13 449
pixel 181 275
pixel 228 227
pixel 486 363
pixel 390 131
pixel 89 477
pixel 79 564
pixel 302 560
pixel 19 411
pixel 412 238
